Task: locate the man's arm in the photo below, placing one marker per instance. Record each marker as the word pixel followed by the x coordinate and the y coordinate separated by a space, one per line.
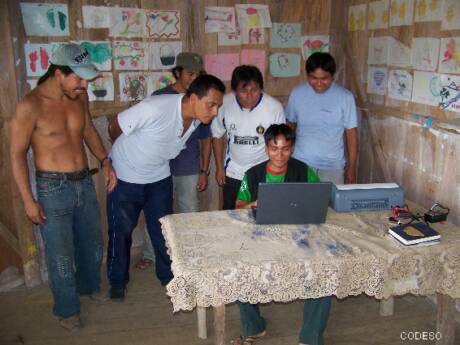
pixel 21 128
pixel 351 136
pixel 114 128
pixel 218 145
pixel 205 157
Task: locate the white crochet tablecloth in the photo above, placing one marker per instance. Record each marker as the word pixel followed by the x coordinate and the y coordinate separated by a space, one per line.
pixel 223 256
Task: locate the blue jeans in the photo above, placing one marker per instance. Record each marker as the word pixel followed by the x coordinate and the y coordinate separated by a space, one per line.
pixel 73 242
pixel 124 205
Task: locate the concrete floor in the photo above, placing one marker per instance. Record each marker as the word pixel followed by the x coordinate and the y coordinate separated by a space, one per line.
pixel 146 318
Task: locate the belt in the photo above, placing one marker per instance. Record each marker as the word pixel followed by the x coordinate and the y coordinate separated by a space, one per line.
pixel 71 176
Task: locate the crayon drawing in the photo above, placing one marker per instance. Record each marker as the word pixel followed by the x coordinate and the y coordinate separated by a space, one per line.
pixel 377 18
pixel 229 38
pixel 37 58
pixel 450 93
pixel 449 56
pixel 95 17
pixel 428 10
pixel 160 80
pixel 425 53
pixel 254 57
pixel 101 89
pixel 426 88
pixel 221 65
pixel 377 80
pixel 129 55
pixel 126 22
pixel 357 18
pixel 399 54
pixel 313 44
pixel 253 36
pixel 42 19
pixel 284 65
pixel 401 12
pixel 219 19
pixel 100 52
pixel 285 35
pixel 162 55
pixel 451 15
pixel 162 24
pixel 378 50
pixel 253 16
pixel 400 85
pixel 135 86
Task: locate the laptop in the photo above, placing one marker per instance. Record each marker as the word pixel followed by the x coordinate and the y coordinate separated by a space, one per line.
pixel 292 203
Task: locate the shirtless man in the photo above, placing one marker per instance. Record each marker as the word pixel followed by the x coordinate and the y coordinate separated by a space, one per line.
pixel 54 120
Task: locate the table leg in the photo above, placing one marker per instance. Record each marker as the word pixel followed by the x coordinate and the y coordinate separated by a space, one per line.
pixel 386 306
pixel 219 324
pixel 445 323
pixel 201 316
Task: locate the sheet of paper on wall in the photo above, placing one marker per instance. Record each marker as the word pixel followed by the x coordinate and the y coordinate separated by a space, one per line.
pixel 401 12
pixel 377 17
pixel 357 17
pixel 100 53
pixel 313 44
pixel 377 80
pixel 285 35
pixel 378 50
pixel 449 55
pixel 135 86
pixel 450 15
pixel 450 92
pixel 285 65
pixel 253 36
pixel 126 22
pixel 101 89
pixel 31 84
pixel 253 16
pixel 42 19
pixel 229 38
pixel 37 57
pixel 162 55
pixel 162 24
pixel 426 88
pixel 400 85
pixel 425 53
pixel 96 17
pixel 219 19
pixel 221 65
pixel 129 55
pixel 399 54
pixel 160 80
pixel 428 10
pixel 255 57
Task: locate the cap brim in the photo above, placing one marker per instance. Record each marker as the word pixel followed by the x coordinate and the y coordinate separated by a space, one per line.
pixel 87 72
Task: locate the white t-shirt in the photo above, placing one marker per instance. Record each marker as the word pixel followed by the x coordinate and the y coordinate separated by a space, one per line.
pixel 152 135
pixel 245 130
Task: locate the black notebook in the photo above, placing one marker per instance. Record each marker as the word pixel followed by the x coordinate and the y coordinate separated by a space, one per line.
pixel 414 233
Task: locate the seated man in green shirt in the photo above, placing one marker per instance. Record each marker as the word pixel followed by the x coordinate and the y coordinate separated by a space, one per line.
pixel 280 167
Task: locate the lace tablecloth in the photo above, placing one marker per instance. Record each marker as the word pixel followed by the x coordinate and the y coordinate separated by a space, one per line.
pixel 221 257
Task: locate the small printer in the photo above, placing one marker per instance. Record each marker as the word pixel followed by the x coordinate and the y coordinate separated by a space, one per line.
pixel 366 197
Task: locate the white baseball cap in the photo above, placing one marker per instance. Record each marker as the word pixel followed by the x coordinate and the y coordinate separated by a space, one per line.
pixel 75 57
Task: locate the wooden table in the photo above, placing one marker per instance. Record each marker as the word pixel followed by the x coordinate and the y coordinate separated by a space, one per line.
pixel 222 257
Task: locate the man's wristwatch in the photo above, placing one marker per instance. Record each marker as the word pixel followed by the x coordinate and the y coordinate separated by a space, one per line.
pixel 106 158
pixel 203 171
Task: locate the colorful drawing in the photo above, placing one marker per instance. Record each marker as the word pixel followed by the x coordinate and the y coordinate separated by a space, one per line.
pixel 449 56
pixel 450 93
pixel 377 80
pixel 428 10
pixel 357 18
pixel 378 50
pixel 313 44
pixel 254 57
pixel 253 36
pixel 221 65
pixel 95 17
pixel 37 58
pixel 229 38
pixel 162 24
pixel 161 79
pixel 100 52
pixel 219 19
pixel 101 89
pixel 126 22
pixel 45 19
pixel 135 86
pixel 377 18
pixel 400 85
pixel 253 16
pixel 451 15
pixel 401 12
pixel 285 35
pixel 162 55
pixel 425 53
pixel 129 55
pixel 399 54
pixel 426 88
pixel 284 65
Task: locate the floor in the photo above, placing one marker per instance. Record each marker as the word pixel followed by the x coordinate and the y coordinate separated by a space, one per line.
pixel 146 318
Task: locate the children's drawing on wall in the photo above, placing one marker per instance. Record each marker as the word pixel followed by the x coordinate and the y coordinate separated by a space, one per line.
pixel 162 55
pixel 400 85
pixel 126 22
pixel 100 53
pixel 253 16
pixel 45 19
pixel 162 24
pixel 253 36
pixel 135 86
pixel 129 55
pixel 314 44
pixel 161 79
pixel 450 93
pixel 31 84
pixel 229 38
pixel 451 15
pixel 219 19
pixel 101 89
pixel 377 80
pixel 425 53
pixel 377 18
pixel 426 88
pixel 285 35
pixel 221 65
pixel 37 58
pixel 357 18
pixel 96 17
pixel 449 57
pixel 399 54
pixel 284 65
pixel 428 10
pixel 401 12
pixel 378 50
pixel 254 57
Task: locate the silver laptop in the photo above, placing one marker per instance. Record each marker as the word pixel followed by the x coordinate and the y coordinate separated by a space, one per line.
pixel 292 203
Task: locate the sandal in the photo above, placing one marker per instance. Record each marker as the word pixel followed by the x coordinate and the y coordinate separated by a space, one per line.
pixel 143 264
pixel 249 339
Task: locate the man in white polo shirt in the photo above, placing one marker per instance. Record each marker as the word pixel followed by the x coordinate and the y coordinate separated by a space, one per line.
pixel 245 115
pixel 147 136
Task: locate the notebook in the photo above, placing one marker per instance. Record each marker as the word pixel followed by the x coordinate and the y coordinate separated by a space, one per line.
pixel 414 233
pixel 292 203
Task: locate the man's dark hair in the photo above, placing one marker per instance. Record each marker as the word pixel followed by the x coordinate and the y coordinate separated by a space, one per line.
pixel 50 72
pixel 325 61
pixel 274 130
pixel 201 85
pixel 244 74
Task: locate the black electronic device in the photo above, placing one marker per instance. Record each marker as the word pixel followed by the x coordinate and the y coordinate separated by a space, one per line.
pixel 437 213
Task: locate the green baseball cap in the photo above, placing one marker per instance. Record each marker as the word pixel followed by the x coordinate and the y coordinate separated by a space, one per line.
pixel 189 61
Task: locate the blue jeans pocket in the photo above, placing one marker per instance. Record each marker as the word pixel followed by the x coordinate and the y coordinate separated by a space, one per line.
pixel 47 186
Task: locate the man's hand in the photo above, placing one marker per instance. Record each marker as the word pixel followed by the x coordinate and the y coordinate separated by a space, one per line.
pixel 220 177
pixel 350 175
pixel 110 176
pixel 35 212
pixel 202 182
